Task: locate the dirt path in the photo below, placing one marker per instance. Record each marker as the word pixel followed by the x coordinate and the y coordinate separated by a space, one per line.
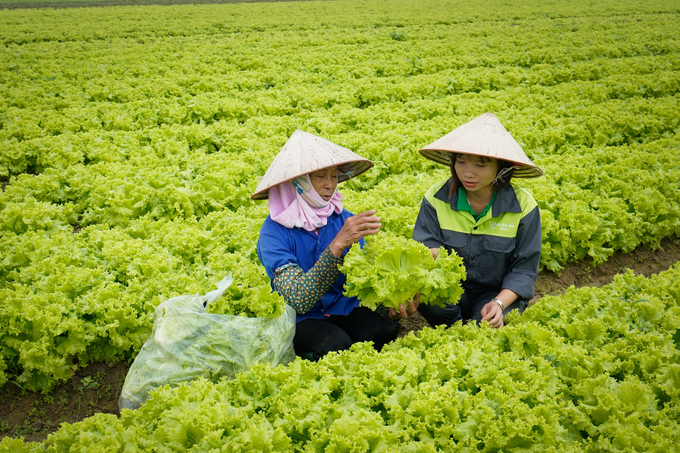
pixel 95 389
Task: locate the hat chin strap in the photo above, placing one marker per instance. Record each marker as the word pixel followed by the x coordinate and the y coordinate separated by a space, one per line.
pixel 501 174
pixel 347 173
pixel 303 186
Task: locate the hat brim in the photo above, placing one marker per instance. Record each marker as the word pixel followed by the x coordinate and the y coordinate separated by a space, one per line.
pixel 483 136
pixel 348 170
pixel 304 153
pixel 520 169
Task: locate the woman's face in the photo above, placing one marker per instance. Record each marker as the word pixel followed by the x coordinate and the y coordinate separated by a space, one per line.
pixel 476 173
pixel 325 181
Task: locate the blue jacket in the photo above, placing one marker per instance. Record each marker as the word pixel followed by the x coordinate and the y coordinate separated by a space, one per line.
pixel 278 246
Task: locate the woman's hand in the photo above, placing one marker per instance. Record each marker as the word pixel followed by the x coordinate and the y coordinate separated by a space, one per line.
pixel 404 312
pixel 492 311
pixel 493 314
pixel 354 228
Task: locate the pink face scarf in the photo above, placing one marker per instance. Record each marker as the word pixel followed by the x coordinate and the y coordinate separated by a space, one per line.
pixel 296 204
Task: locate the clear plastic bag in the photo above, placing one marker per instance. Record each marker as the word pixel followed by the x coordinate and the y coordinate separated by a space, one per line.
pixel 187 343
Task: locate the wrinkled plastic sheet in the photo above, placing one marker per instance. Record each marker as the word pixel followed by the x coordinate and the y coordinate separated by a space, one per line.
pixel 187 343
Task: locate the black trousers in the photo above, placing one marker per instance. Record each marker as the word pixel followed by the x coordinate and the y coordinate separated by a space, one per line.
pixel 468 308
pixel 314 338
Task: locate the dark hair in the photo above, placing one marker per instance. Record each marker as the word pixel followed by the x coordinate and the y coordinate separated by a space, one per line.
pixel 499 183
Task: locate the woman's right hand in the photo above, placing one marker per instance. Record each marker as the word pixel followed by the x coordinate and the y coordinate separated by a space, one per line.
pixel 354 228
pixel 405 312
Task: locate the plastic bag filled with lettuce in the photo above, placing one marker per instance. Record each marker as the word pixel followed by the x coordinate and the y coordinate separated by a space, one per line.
pixel 188 342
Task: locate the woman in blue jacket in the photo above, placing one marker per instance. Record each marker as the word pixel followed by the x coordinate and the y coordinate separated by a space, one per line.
pixel 304 239
pixel 491 223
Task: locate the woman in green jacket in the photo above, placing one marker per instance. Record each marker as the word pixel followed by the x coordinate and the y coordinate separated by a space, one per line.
pixel 491 223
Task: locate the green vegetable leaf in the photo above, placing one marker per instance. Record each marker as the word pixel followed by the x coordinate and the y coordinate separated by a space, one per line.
pixel 391 269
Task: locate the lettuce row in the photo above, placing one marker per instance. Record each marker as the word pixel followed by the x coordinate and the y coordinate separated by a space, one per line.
pixel 595 369
pixel 572 88
pixel 552 118
pixel 157 23
pixel 70 299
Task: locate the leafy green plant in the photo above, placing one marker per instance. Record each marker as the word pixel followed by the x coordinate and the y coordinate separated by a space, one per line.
pixel 398 35
pixel 150 152
pixel 467 387
pixel 390 269
pixel 86 384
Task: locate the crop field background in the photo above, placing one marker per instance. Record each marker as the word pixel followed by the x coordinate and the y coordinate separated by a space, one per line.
pixel 131 138
pixel 33 4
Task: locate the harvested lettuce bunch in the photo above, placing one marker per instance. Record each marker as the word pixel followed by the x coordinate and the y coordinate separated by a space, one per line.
pixel 391 269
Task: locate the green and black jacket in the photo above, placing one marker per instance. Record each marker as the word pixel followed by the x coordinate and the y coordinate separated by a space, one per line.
pixel 501 250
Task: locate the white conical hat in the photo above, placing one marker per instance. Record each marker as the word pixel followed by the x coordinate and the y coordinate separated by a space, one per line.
pixel 483 136
pixel 304 153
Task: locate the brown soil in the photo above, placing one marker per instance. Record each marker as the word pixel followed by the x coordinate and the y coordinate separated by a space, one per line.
pixel 34 415
pixel 96 388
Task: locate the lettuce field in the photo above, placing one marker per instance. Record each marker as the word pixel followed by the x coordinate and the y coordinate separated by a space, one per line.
pixel 131 139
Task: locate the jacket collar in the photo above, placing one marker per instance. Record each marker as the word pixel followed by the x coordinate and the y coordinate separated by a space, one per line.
pixel 506 199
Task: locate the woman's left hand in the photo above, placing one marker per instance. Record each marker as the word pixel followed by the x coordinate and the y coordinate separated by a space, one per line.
pixel 493 314
pixel 404 312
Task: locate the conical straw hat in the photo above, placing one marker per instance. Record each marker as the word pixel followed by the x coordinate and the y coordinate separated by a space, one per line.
pixel 304 153
pixel 483 136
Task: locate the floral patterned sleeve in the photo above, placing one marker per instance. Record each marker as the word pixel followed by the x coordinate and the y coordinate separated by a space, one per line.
pixel 302 290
